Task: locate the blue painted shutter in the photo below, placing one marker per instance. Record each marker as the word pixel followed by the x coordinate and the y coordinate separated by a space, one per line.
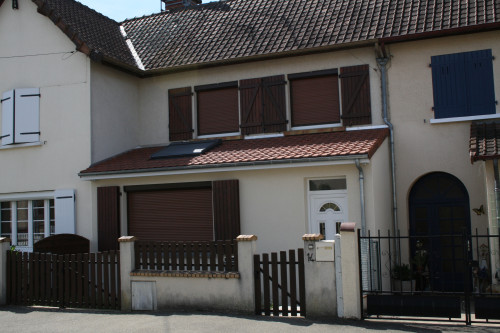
pixel 479 76
pixel 448 83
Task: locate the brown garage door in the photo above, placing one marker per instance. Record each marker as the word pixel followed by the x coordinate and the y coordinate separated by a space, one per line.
pixel 171 215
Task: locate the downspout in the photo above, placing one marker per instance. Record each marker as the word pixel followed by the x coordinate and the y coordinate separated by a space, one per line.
pixel 497 205
pixel 382 63
pixel 362 197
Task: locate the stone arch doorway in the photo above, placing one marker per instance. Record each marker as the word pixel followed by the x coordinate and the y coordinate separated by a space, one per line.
pixel 439 219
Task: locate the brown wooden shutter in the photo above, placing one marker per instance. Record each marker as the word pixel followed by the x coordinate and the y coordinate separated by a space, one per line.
pixel 356 102
pixel 226 203
pixel 218 111
pixel 171 215
pixel 180 114
pixel 315 100
pixel 108 218
pixel 263 106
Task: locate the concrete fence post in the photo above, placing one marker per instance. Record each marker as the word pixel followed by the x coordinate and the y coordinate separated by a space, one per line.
pixel 4 247
pixel 319 271
pixel 127 265
pixel 247 245
pixel 350 271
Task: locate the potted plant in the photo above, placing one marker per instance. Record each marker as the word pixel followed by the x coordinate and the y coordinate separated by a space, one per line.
pixel 402 278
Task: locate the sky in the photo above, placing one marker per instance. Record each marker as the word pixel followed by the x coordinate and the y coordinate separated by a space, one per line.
pixel 120 10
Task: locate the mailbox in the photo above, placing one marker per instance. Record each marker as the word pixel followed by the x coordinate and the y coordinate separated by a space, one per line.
pixel 325 250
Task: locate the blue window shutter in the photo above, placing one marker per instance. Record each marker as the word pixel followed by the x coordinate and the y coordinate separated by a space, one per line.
pixel 448 78
pixel 480 86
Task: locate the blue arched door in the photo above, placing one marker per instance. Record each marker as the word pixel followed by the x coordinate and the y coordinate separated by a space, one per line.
pixel 439 213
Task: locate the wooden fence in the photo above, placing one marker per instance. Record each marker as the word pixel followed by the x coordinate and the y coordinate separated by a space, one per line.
pixel 214 256
pixel 84 280
pixel 280 284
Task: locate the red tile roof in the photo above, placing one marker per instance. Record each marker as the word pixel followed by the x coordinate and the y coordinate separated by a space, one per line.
pixel 484 141
pixel 307 147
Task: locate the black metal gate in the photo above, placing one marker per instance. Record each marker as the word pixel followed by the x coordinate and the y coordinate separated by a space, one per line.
pixel 279 284
pixel 411 276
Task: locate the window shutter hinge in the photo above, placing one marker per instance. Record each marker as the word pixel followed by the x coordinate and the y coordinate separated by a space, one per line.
pixel 432 108
pixel 493 58
pixel 430 65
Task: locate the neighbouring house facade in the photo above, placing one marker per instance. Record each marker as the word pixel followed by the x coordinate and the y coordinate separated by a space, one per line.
pixel 265 117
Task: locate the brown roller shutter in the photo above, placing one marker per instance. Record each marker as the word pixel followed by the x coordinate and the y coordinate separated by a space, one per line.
pixel 263 107
pixel 171 215
pixel 180 114
pixel 356 103
pixel 315 100
pixel 226 203
pixel 218 111
pixel 108 218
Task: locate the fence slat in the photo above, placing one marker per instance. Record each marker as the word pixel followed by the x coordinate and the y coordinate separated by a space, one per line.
pixel 265 280
pixel 220 256
pixel 31 279
pixel 79 279
pixel 293 282
pixel 212 255
pixel 302 286
pixel 196 255
pixel 9 277
pixel 93 287
pixel 25 279
pixel 189 257
pixel 118 283
pixel 99 302
pixel 204 252
pixel 112 277
pixel 256 273
pixel 235 254
pixel 59 262
pixel 38 276
pixel 159 252
pixel 284 284
pixel 86 281
pixel 274 277
pixel 105 282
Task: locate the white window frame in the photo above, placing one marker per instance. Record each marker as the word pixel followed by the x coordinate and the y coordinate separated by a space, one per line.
pixel 64 213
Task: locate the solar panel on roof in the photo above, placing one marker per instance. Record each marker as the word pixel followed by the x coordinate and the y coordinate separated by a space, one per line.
pixel 183 149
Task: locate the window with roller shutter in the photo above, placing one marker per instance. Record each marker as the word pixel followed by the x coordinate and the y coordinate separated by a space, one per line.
pixel 184 212
pixel 180 114
pixel 20 116
pixel 217 108
pixel 314 98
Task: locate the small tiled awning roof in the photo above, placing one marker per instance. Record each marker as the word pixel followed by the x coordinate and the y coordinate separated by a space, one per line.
pixel 484 141
pixel 294 148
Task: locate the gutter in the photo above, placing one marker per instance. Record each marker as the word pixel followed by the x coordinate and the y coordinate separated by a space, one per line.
pixel 166 171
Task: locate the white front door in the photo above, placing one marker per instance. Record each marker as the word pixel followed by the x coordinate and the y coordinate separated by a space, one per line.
pixel 326 209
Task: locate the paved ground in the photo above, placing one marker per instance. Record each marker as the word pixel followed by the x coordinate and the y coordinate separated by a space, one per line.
pixel 41 319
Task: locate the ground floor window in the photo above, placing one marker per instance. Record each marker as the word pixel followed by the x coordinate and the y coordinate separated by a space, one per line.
pixel 26 222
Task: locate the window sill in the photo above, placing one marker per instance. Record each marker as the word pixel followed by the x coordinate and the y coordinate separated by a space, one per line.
pixel 461 119
pixel 23 145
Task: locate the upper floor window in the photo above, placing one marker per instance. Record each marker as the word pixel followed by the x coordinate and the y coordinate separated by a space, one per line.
pixel 20 116
pixel 217 108
pixel 259 105
pixel 463 84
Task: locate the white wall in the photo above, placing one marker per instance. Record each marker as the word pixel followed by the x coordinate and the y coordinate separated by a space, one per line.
pixel 115 111
pixel 422 147
pixel 154 91
pixel 35 53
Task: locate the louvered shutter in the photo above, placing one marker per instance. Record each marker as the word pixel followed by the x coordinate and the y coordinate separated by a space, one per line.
pixel 64 207
pixel 108 217
pixel 7 134
pixel 27 115
pixel 263 106
pixel 218 111
pixel 356 102
pixel 226 207
pixel 448 84
pixel 180 114
pixel 315 100
pixel 479 78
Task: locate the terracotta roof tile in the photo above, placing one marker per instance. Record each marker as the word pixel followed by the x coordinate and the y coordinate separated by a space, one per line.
pixel 298 147
pixel 484 141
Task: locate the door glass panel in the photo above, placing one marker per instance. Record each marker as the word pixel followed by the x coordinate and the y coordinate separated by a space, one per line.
pixel 52 218
pixel 38 220
pixel 5 219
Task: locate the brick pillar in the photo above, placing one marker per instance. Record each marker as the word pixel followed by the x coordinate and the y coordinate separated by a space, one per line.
pixel 4 247
pixel 321 294
pixel 247 245
pixel 127 265
pixel 350 271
